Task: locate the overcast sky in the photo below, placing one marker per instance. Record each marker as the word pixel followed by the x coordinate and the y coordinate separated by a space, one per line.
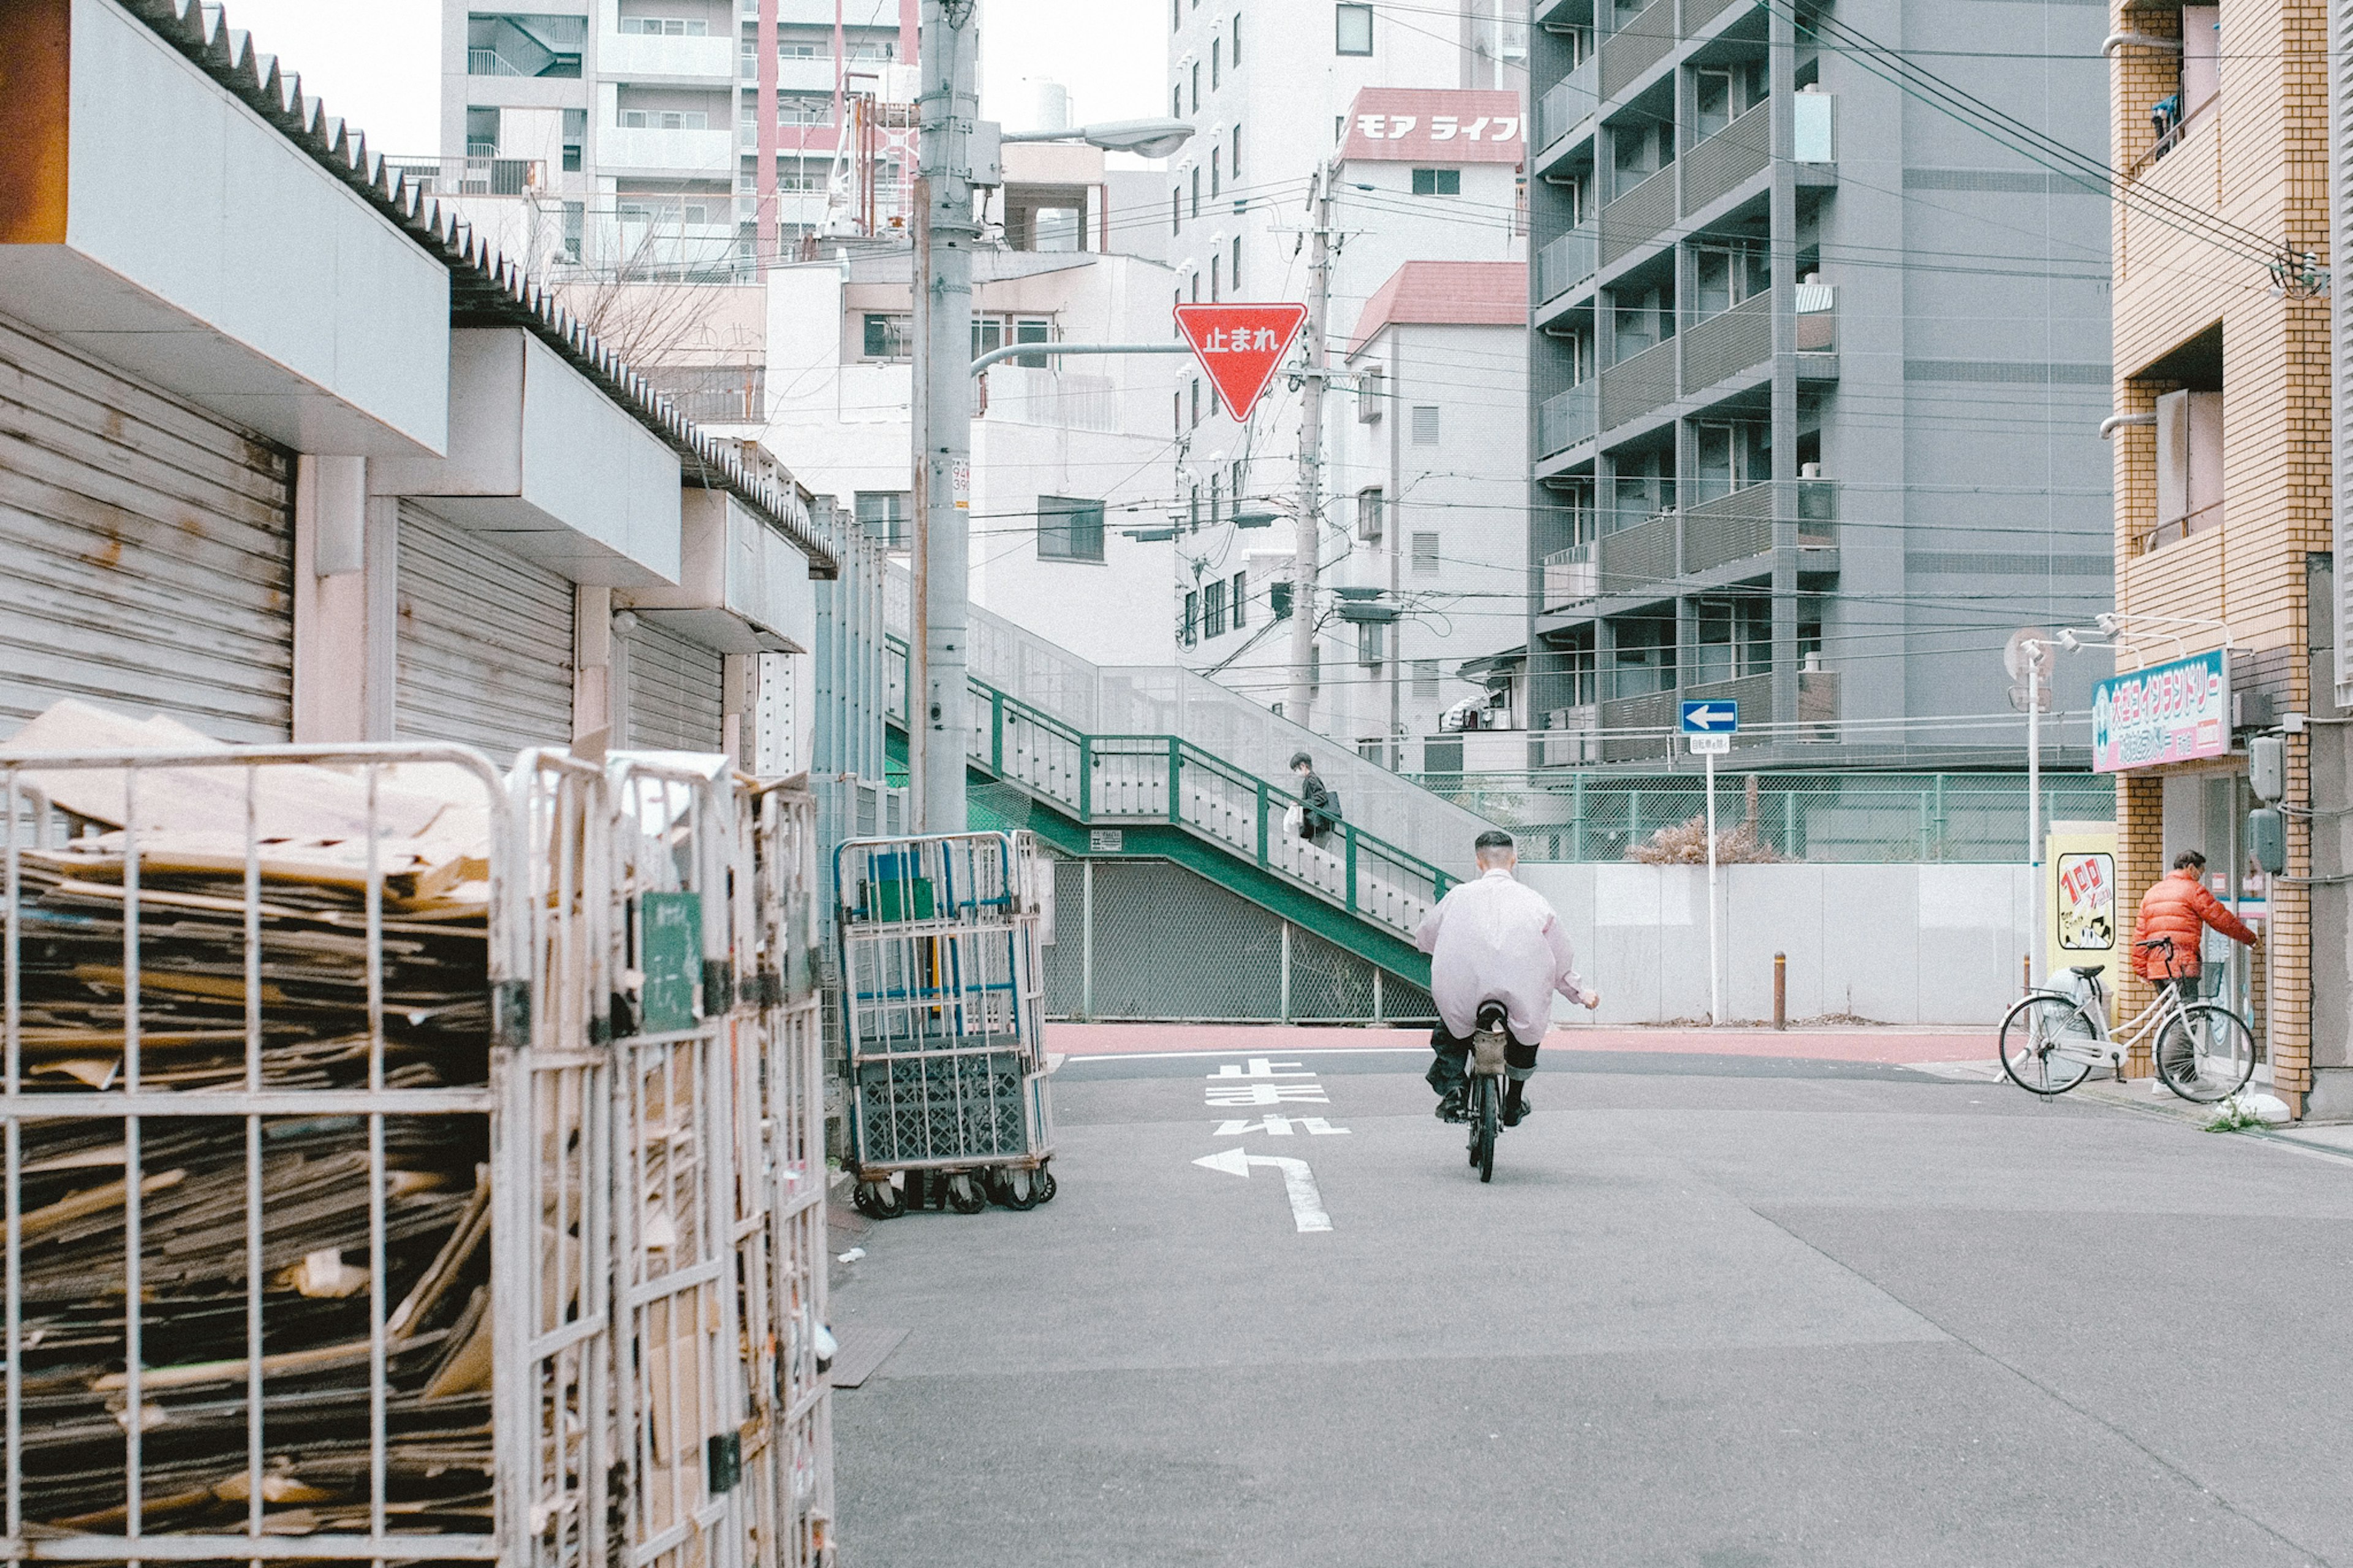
pixel 376 61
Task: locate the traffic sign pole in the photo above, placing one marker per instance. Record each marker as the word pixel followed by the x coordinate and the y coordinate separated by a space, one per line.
pixel 1711 726
pixel 1715 979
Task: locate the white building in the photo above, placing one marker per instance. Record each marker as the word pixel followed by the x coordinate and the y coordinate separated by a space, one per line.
pixel 1069 520
pixel 1419 123
pixel 659 139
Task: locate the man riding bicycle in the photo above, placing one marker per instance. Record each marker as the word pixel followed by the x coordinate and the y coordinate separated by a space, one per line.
pixel 1493 940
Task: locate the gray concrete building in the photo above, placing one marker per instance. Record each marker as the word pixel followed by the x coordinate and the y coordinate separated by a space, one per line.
pixel 1820 357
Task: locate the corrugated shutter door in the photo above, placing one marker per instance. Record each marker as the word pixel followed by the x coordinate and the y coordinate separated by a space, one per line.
pixel 674 692
pixel 485 642
pixel 146 551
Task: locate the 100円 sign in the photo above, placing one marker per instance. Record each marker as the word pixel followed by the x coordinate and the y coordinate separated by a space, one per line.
pixel 2173 712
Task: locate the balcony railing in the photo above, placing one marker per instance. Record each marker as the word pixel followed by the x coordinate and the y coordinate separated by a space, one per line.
pixel 1698 14
pixel 1728 343
pixel 472 176
pixel 1567 261
pixel 1565 419
pixel 1638 215
pixel 1637 386
pixel 1635 47
pixel 490 62
pixel 1721 163
pixel 1660 548
pixel 1630 558
pixel 1568 104
pixel 1650 717
pixel 1569 577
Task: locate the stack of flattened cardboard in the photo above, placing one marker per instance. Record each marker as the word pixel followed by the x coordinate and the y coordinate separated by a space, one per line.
pixel 202 1025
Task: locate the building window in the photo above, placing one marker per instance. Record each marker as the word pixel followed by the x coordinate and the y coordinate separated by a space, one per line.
pixel 1197 87
pixel 1234 159
pixel 1438 182
pixel 1176 415
pixel 1176 16
pixel 1176 102
pixel 1425 555
pixel 1216 56
pixel 1189 635
pixel 665 120
pixel 1193 508
pixel 1352 29
pixel 1217 164
pixel 1197 401
pixel 1069 529
pixel 1241 598
pixel 1238 39
pixel 1217 498
pixel 1424 680
pixel 1196 190
pixel 1370 514
pixel 1725 275
pixel 576 219
pixel 1372 394
pixel 1234 273
pixel 888 335
pixel 665 28
pixel 1215 267
pixel 1177 210
pixel 1033 330
pixel 2188 466
pixel 1278 600
pixel 884 515
pixel 1369 641
pixel 575 131
pixel 1213 608
pixel 1425 425
pixel 481 132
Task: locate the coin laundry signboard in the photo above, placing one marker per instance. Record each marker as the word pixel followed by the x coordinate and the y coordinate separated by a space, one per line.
pixel 1239 345
pixel 2174 712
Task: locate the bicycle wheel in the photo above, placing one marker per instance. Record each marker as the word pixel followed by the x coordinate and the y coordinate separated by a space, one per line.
pixel 1488 1096
pixel 2048 1043
pixel 2208 1054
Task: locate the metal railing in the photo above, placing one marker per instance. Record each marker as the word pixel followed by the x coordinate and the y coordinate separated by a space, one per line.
pixel 473 176
pixel 1698 14
pixel 1568 103
pixel 1728 343
pixel 1663 546
pixel 1824 816
pixel 1638 215
pixel 1719 164
pixel 1569 577
pixel 1565 418
pixel 1114 780
pixel 1635 47
pixel 1639 386
pixel 1567 261
pixel 490 62
pixel 1629 558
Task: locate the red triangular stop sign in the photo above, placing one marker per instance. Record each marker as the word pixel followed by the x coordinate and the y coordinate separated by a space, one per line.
pixel 1239 345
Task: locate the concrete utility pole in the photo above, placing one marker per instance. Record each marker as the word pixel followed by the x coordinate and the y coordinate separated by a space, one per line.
pixel 946 235
pixel 1306 556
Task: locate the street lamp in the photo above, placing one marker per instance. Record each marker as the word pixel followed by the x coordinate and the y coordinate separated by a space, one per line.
pixel 1144 138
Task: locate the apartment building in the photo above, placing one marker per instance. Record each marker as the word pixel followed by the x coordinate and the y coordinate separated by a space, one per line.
pixel 1418 121
pixel 2223 528
pixel 679 139
pixel 1816 370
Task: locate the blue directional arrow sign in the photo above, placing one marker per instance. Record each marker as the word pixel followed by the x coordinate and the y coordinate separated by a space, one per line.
pixel 1717 717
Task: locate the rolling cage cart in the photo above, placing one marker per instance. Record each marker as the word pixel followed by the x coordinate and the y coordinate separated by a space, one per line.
pixel 941 1019
pixel 342 1223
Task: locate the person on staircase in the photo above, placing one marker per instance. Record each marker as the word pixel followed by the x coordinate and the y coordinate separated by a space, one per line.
pixel 1318 813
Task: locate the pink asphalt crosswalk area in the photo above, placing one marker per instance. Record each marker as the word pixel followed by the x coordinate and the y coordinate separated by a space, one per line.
pixel 1844 1045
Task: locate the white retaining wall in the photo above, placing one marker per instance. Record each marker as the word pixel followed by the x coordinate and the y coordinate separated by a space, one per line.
pixel 1898 944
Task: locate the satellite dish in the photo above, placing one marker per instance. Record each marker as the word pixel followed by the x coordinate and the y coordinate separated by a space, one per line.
pixel 2014 658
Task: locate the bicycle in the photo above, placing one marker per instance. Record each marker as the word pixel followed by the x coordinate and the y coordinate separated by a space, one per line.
pixel 1482 1099
pixel 2051 1041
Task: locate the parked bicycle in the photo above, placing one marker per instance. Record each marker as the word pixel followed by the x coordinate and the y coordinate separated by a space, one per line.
pixel 2052 1039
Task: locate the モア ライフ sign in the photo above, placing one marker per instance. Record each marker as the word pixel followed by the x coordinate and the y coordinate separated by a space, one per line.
pixel 1239 345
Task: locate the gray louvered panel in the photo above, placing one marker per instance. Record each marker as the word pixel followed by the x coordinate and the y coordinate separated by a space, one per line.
pixel 146 551
pixel 485 642
pixel 674 692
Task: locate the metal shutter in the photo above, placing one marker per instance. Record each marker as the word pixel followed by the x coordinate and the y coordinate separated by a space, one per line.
pixel 485 642
pixel 674 692
pixel 146 551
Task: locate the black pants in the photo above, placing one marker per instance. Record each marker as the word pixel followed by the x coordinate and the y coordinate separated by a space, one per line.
pixel 1450 1070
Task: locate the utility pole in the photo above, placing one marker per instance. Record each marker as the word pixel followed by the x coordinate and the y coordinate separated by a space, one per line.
pixel 1306 555
pixel 946 235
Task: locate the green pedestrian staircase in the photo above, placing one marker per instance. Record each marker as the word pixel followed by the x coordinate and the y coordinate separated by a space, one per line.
pixel 1184 790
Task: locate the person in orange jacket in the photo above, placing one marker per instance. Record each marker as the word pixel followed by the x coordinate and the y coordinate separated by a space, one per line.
pixel 2180 907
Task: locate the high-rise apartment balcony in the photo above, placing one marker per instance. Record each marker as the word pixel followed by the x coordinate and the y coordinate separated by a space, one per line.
pixel 1721 163
pixel 1565 419
pixel 1727 346
pixel 1719 540
pixel 1569 577
pixel 1636 47
pixel 804 73
pixel 649 149
pixel 657 56
pixel 1566 262
pixel 1715 166
pixel 1567 106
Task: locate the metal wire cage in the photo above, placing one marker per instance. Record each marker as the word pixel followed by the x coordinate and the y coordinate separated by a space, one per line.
pixel 942 995
pixel 313 1056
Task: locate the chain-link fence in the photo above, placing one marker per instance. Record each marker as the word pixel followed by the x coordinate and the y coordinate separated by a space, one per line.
pixel 1885 818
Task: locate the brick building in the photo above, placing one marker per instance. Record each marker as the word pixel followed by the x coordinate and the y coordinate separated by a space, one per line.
pixel 2219 127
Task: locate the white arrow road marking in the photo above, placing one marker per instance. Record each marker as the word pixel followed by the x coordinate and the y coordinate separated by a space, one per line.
pixel 1279 1125
pixel 1298 1182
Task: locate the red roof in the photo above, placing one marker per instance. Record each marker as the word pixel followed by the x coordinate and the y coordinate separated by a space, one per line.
pixel 1447 294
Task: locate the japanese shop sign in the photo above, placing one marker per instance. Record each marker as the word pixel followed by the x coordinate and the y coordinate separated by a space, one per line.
pixel 1239 345
pixel 1434 125
pixel 2173 712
